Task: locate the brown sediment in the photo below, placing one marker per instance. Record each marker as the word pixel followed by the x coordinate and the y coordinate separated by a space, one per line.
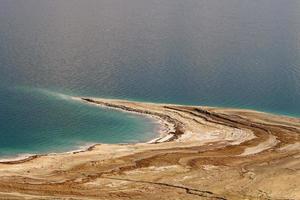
pixel 205 153
pixel 21 160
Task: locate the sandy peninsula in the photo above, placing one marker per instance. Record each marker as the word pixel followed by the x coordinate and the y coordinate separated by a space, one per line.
pixel 201 153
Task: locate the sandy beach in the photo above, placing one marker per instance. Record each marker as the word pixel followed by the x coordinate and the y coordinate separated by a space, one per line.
pixel 200 153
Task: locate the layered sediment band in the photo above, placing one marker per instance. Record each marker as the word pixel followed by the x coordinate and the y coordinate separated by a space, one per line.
pixel 201 153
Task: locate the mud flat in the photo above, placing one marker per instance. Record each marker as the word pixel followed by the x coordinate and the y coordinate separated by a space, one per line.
pixel 201 153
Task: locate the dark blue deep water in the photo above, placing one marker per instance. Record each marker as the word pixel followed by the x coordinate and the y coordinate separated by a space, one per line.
pixel 231 53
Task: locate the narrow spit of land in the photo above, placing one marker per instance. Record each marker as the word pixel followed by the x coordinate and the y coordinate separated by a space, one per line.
pixel 201 153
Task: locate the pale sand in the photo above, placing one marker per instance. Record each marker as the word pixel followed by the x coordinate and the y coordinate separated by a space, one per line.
pixel 201 153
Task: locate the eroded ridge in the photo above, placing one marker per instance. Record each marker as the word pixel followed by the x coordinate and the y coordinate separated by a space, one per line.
pixel 200 153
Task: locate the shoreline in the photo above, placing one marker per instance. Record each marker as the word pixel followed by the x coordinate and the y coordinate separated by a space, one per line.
pixel 202 153
pixel 165 130
pixel 21 158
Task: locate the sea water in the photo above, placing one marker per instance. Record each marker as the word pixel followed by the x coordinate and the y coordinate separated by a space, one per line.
pixel 233 53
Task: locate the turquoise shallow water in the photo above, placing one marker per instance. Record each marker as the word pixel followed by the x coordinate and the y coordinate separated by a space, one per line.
pixel 41 121
pixel 233 53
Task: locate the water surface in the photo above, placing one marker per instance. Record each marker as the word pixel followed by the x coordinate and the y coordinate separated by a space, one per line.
pixel 232 53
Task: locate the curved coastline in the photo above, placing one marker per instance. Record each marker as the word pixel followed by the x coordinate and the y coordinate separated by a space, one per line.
pixel 259 151
pixel 166 133
pixel 163 131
